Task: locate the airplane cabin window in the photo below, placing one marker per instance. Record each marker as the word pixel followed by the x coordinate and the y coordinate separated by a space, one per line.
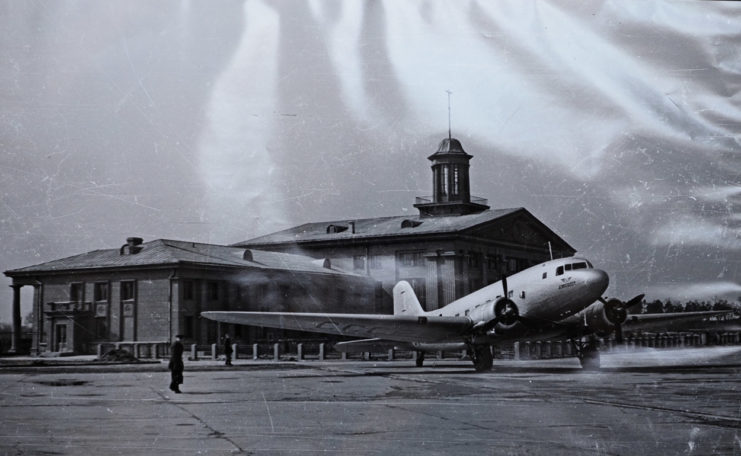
pixel 545 274
pixel 559 270
pixel 580 265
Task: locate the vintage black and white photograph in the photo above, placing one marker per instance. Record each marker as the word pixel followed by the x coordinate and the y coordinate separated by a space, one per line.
pixel 370 227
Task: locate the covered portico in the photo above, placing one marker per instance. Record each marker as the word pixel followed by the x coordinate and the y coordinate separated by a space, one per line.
pixel 16 319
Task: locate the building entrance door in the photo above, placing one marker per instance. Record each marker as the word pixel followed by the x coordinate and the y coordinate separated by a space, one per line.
pixel 60 338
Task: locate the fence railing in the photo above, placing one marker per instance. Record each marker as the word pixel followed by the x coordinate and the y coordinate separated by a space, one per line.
pixel 521 350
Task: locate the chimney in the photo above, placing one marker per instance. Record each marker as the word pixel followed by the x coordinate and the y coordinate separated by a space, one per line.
pixel 132 246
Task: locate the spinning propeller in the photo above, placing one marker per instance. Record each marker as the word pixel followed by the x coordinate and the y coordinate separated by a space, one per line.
pixel 616 312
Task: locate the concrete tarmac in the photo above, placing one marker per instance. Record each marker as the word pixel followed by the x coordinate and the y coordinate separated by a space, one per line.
pixel 368 408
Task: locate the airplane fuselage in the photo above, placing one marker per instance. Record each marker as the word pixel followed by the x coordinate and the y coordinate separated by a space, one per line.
pixel 549 291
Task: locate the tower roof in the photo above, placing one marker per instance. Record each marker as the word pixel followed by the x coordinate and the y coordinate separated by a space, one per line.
pixel 449 146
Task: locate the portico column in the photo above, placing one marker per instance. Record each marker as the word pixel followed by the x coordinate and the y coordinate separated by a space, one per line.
pixel 15 340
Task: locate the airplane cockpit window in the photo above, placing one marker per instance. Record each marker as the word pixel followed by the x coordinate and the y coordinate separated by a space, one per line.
pixel 590 265
pixel 568 267
pixel 580 265
pixel 559 270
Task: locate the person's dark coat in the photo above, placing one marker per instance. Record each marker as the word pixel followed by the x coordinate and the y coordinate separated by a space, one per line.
pixel 176 366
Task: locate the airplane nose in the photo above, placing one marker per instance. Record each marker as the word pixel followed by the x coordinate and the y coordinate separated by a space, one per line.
pixel 597 281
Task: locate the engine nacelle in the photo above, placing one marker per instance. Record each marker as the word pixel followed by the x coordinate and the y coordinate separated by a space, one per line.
pixel 602 317
pixel 504 312
pixel 484 313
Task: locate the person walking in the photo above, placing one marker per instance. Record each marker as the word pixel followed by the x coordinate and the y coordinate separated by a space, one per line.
pixel 228 350
pixel 176 364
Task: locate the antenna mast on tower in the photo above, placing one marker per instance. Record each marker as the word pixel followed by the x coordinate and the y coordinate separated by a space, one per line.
pixel 449 92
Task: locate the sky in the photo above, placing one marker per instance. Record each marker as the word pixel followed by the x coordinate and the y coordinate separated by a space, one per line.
pixel 616 123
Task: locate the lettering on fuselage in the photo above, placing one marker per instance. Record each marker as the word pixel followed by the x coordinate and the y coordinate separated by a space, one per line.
pixel 566 285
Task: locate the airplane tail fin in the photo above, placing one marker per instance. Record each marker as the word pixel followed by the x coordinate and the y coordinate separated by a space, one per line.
pixel 405 301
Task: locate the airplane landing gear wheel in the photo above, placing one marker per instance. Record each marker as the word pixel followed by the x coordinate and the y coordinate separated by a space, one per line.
pixel 588 353
pixel 589 359
pixel 420 359
pixel 482 358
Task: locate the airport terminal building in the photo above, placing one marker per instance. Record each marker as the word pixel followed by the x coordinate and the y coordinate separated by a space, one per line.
pixel 150 291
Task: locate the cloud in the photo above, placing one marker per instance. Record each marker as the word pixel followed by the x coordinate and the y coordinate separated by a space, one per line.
pixel 235 161
pixel 722 193
pixel 695 231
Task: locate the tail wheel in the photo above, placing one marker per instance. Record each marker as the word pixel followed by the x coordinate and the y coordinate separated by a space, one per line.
pixel 482 358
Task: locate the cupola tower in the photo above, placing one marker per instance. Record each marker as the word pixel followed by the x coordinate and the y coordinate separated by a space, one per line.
pixel 451 189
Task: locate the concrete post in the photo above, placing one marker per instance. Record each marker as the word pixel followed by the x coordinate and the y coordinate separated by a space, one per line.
pixel 366 356
pixel 100 351
pixel 321 351
pixel 704 339
pixel 343 356
pixel 255 351
pixel 548 349
pixel 194 352
pixel 276 352
pixel 439 354
pixel 391 354
pixel 154 351
pixel 299 352
pixel 15 341
pixel 234 351
pixel 214 352
pixel 516 350
pixel 538 350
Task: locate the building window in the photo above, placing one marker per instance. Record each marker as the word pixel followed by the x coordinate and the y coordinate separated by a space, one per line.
pixel 474 260
pixel 101 291
pixel 444 181
pixel 188 290
pixel 213 291
pixel 358 262
pixel 284 290
pixel 188 327
pixel 415 258
pixel 128 290
pixel 101 328
pixel 75 292
pixel 375 262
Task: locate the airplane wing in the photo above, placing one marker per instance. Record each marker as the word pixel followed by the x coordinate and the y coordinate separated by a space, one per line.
pixel 674 321
pixel 388 327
